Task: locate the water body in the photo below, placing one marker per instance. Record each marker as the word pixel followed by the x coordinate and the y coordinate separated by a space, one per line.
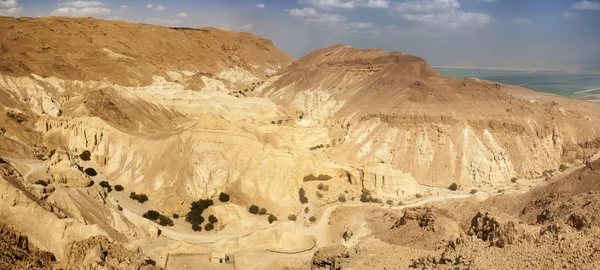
pixel 572 85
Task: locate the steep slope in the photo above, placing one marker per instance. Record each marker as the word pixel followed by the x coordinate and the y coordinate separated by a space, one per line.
pixel 395 109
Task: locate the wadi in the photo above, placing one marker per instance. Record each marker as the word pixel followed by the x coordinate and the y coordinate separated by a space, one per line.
pixel 134 146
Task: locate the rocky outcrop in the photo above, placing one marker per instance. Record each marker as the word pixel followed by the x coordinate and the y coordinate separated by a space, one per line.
pixel 99 253
pixel 19 253
pixel 490 230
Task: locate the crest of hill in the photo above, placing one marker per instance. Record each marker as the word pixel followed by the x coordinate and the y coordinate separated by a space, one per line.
pixel 127 53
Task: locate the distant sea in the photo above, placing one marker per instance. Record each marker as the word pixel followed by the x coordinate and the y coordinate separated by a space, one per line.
pixel 572 85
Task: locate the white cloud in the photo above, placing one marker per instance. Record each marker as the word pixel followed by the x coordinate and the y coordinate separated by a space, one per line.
pixel 81 9
pixel 10 7
pixel 350 4
pixel 246 27
pixel 522 21
pixel 156 7
pixel 125 9
pixel 80 4
pixel 443 14
pixel 567 14
pixel 182 15
pixel 587 5
pixel 259 5
pixel 165 22
pixel 361 25
pixel 311 15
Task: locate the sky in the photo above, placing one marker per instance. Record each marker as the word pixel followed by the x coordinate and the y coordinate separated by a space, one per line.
pixel 534 34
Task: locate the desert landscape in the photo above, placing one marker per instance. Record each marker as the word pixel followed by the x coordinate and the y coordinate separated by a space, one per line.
pixel 135 146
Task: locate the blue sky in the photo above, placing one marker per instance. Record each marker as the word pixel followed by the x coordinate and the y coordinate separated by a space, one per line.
pixel 479 33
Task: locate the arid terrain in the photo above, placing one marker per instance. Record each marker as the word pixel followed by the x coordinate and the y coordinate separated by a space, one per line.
pixel 133 146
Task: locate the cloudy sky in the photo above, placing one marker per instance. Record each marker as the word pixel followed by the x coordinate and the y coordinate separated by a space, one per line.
pixel 481 33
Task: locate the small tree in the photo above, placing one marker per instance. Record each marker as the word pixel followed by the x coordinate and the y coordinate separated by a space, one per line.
pixel 453 187
pixel 196 227
pixel 306 210
pixel 272 218
pixel 223 197
pixel 263 211
pixel 175 216
pixel 152 215
pixel 41 182
pixel 292 217
pixel 513 180
pixel 85 155
pixel 389 202
pixel 303 200
pixel 301 192
pixel 90 172
pixel 165 221
pixel 119 188
pixel 320 186
pixel 209 227
pixel 342 198
pixel 212 219
pixel 253 209
pixel 473 191
pixel 312 219
pixel 104 184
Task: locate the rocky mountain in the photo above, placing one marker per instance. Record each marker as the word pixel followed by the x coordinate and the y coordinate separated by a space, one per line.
pixel 117 137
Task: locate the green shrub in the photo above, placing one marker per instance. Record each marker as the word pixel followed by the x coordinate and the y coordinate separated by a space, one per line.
pixel 212 219
pixel 41 182
pixel 90 172
pixel 253 209
pixel 104 184
pixel 292 217
pixel 152 215
pixel 223 197
pixel 141 198
pixel 119 188
pixel 272 218
pixel 453 187
pixel 312 219
pixel 165 221
pixel 342 198
pixel 209 227
pixel 85 155
pixel 263 211
pixel 194 217
pixel 201 204
pixel 196 227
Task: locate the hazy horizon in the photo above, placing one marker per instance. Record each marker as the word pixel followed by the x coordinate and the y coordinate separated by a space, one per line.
pixel 533 34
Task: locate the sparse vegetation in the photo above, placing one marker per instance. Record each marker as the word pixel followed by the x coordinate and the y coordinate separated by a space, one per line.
pixel 322 187
pixel 196 227
pixel 473 191
pixel 196 210
pixel 306 210
pixel 212 219
pixel 85 155
pixel 119 188
pixel 418 196
pixel 365 196
pixel 319 195
pixel 90 172
pixel 254 209
pixel 272 218
pixel 141 198
pixel 209 227
pixel 151 215
pixel 41 183
pixel 223 197
pixel 292 217
pixel 389 202
pixel 106 185
pixel 453 187
pixel 165 221
pixel 175 216
pixel 263 211
pixel 312 219
pixel 342 198
pixel 563 167
pixel 302 194
pixel 513 180
pixel 321 177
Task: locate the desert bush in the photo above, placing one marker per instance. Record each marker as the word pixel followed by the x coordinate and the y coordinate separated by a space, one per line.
pixel 365 198
pixel 320 186
pixel 85 155
pixel 119 188
pixel 453 187
pixel 513 180
pixel 303 200
pixel 418 195
pixel 141 198
pixel 263 211
pixel 196 227
pixel 194 217
pixel 41 182
pixel 342 198
pixel 292 217
pixel 104 184
pixel 175 216
pixel 152 215
pixel 90 172
pixel 212 219
pixel 319 195
pixel 201 205
pixel 223 197
pixel 473 191
pixel 321 177
pixel 563 167
pixel 272 218
pixel 254 209
pixel 389 202
pixel 374 200
pixel 120 208
pixel 209 227
pixel 301 192
pixel 312 219
pixel 165 221
pixel 91 183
